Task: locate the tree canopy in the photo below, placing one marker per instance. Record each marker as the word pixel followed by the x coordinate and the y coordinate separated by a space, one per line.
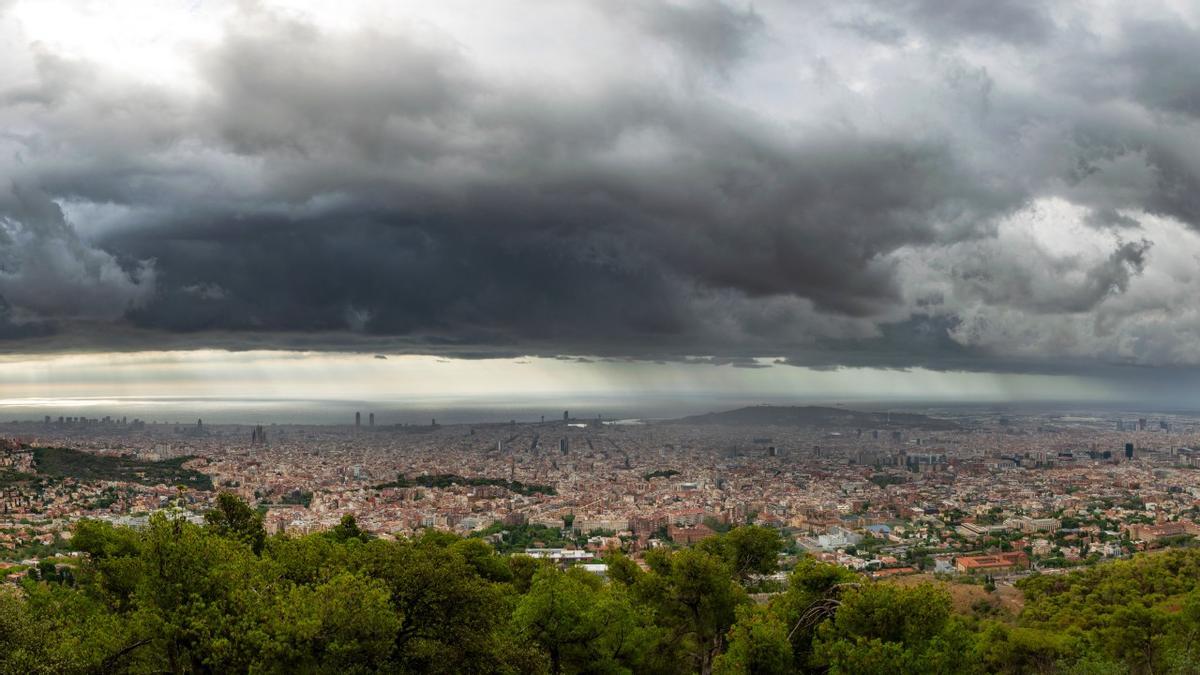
pixel 226 597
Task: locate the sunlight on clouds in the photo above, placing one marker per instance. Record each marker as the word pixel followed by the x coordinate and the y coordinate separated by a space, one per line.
pixel 315 375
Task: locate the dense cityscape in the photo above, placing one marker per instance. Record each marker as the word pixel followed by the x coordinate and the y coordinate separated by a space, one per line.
pixel 977 492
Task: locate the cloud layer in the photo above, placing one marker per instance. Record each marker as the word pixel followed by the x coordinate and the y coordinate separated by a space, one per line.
pixel 986 186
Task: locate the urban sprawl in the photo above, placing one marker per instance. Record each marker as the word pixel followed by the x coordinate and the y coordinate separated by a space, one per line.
pixel 976 493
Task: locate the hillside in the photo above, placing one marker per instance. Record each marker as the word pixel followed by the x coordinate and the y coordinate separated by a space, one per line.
pixel 62 463
pixel 820 417
pixel 174 596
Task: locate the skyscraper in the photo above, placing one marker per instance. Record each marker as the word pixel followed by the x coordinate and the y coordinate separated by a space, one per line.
pixel 1129 451
pixel 358 419
pixel 566 416
pixel 371 420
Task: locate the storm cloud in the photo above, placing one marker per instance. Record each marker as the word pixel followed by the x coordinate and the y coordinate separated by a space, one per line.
pixel 975 186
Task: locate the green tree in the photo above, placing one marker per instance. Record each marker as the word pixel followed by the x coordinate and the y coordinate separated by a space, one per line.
pixel 307 560
pixel 1014 649
pixel 582 624
pixel 448 614
pixel 758 645
pixel 233 518
pixel 885 629
pixel 748 549
pixel 813 594
pixel 114 567
pixel 1135 634
pixel 201 597
pixel 348 530
pixel 344 625
pixel 523 568
pixel 56 629
pixel 693 593
pixel 483 559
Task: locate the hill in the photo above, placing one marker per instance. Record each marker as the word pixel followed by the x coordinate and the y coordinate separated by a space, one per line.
pixel 820 417
pixel 85 466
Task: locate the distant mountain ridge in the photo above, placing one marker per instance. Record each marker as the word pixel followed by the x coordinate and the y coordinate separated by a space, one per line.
pixel 821 417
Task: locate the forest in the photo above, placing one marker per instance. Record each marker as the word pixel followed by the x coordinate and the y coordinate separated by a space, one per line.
pixel 225 597
pixel 63 463
pixel 444 480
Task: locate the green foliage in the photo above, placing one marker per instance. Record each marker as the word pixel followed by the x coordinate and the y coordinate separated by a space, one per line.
pixel 886 629
pixel 233 518
pixel 517 538
pixel 582 624
pixel 661 473
pixel 445 480
pixel 60 463
pixel 53 629
pixel 344 625
pixel 483 559
pixel 717 525
pixel 9 478
pixel 758 645
pixel 1002 648
pixel 1087 599
pixel 695 598
pixel 812 586
pixel 198 599
pixel 223 597
pixel 748 550
pixel 348 530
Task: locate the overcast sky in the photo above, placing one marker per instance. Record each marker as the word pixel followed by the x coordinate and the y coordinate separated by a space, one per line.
pixel 977 192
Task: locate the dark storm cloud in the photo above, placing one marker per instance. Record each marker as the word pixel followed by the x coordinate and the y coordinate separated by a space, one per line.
pixel 387 188
pixel 539 238
pixel 401 273
pixel 817 219
pixel 919 342
pixel 1150 67
pixel 735 361
pixel 47 272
